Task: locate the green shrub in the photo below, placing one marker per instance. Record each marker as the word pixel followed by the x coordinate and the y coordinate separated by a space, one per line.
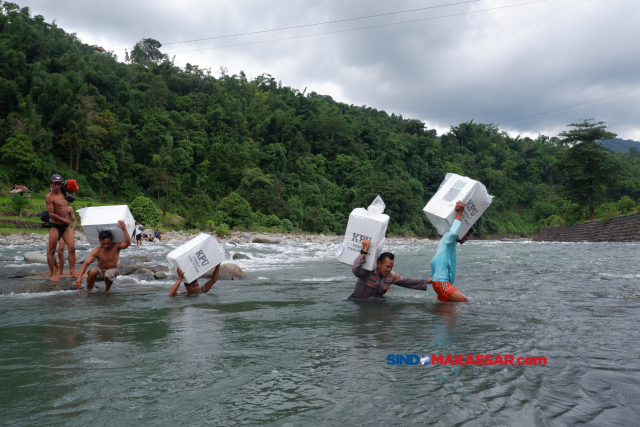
pixel 607 211
pixel 143 210
pixel 554 220
pixel 19 204
pixel 287 225
pixel 272 221
pixel 626 204
pixel 238 209
pixel 223 230
pixel 221 218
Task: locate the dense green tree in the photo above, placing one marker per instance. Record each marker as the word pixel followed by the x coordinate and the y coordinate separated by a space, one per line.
pixel 590 167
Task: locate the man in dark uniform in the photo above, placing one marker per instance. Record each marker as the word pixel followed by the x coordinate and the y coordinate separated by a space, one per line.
pixel 376 283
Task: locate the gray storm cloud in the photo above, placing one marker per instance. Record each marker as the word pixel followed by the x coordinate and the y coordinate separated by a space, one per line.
pixel 488 66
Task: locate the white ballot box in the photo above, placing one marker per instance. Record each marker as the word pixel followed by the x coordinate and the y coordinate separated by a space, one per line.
pixel 370 224
pixel 197 256
pixel 441 208
pixel 99 218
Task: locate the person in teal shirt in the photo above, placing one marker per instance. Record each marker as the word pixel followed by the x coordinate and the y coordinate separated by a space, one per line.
pixel 443 264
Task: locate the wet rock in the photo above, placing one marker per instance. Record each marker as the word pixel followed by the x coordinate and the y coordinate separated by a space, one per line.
pixel 24 272
pixel 265 239
pixel 229 271
pixel 157 268
pixel 35 257
pixel 83 259
pixel 4 242
pixel 143 271
pixel 129 266
pixel 139 258
pixel 148 277
pixel 127 281
pixel 239 255
pixel 6 258
pixel 158 275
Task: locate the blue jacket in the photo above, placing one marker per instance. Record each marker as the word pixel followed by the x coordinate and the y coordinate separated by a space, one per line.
pixel 443 264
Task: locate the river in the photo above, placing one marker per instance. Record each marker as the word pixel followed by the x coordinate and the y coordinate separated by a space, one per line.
pixel 286 347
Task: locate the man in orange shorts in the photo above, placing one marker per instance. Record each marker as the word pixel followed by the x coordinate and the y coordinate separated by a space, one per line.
pixel 443 264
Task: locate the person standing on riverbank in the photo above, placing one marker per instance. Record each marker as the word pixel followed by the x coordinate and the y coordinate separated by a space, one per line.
pixel 193 287
pixel 107 254
pixel 374 284
pixel 443 264
pixel 58 209
pixel 61 247
pixel 138 233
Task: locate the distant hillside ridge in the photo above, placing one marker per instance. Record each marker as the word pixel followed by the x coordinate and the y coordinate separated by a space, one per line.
pixel 620 145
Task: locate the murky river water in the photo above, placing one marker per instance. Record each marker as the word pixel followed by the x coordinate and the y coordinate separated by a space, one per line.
pixel 285 347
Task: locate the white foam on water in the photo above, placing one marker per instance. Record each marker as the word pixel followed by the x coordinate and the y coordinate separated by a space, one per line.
pixel 620 276
pixel 325 279
pixel 37 294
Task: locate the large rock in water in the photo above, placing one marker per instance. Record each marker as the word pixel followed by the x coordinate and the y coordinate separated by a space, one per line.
pixel 265 239
pixel 35 257
pixel 139 258
pixel 239 255
pixel 130 265
pixel 24 272
pixel 228 271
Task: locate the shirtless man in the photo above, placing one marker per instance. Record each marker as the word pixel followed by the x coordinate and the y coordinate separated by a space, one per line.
pixel 61 246
pixel 58 209
pixel 108 254
pixel 193 287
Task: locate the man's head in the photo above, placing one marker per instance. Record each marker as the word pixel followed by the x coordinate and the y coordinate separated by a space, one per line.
pixel 137 222
pixel 193 287
pixel 385 263
pixel 465 237
pixel 106 239
pixel 55 182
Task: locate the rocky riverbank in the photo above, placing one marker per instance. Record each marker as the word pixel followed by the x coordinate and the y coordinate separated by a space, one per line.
pixel 237 237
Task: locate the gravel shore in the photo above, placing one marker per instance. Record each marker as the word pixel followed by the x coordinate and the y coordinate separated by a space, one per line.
pixel 237 237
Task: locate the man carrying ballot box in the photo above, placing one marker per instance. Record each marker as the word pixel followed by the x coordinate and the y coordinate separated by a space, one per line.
pixel 193 287
pixel 374 284
pixel 443 264
pixel 108 254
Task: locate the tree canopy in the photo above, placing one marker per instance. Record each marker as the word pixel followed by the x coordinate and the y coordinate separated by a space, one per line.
pixel 219 147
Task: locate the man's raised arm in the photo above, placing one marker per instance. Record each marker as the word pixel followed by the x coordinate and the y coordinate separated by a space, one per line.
pixel 452 235
pixel 127 238
pixel 356 268
pixel 213 280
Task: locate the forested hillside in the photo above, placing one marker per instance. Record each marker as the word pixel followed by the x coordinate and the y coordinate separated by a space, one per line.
pixel 621 145
pixel 200 144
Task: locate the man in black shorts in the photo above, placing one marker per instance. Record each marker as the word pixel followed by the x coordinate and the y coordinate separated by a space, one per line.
pixel 58 209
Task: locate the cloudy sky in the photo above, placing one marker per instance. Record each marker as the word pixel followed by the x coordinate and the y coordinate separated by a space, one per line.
pixel 490 61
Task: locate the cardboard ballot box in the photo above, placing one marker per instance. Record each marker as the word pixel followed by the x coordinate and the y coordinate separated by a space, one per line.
pixel 96 219
pixel 197 256
pixel 441 208
pixel 370 224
